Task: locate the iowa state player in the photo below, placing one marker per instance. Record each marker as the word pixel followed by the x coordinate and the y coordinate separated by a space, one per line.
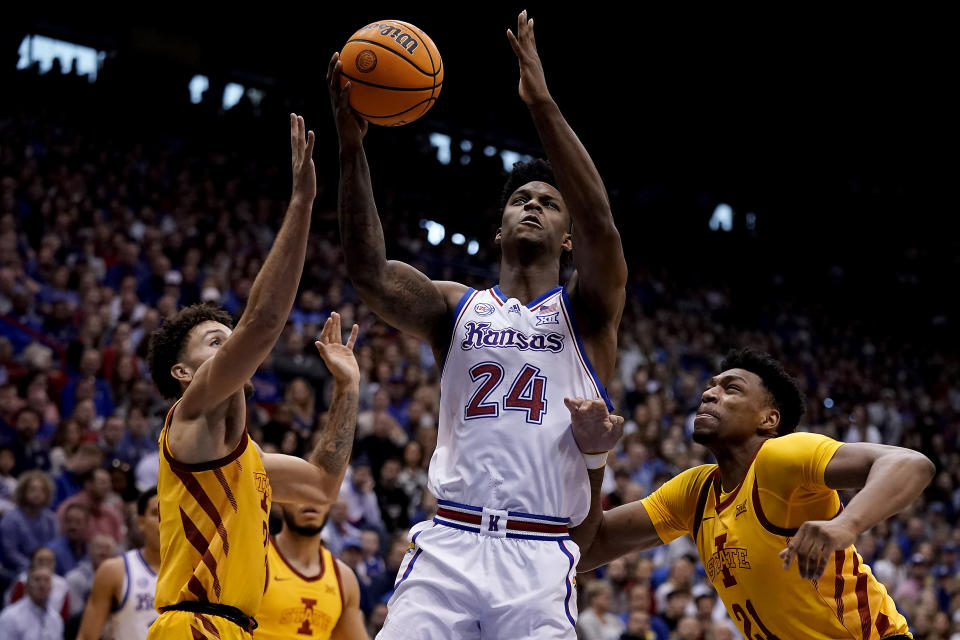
pixel 310 594
pixel 507 471
pixel 772 498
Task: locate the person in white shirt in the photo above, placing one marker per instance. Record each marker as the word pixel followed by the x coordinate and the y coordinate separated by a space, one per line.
pixel 32 618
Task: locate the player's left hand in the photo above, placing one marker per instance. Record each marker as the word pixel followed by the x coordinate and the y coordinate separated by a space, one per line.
pixel 338 357
pixel 594 428
pixel 814 544
pixel 533 84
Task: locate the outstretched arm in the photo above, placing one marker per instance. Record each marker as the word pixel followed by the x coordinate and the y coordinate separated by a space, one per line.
pixel 597 251
pixel 271 296
pixel 399 294
pixel 317 479
pixel 889 479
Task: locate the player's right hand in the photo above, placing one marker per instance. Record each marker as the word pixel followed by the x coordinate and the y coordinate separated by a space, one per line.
pixel 350 127
pixel 595 429
pixel 304 171
pixel 338 357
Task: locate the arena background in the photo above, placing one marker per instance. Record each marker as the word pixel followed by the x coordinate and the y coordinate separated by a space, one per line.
pixel 785 180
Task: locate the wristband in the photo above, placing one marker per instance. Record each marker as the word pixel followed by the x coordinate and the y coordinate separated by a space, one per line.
pixel 595 460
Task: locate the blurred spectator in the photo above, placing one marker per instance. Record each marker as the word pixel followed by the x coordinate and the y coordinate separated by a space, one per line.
pixel 29 451
pixel 137 441
pixel 338 530
pixel 66 440
pixel 33 617
pixel 413 477
pixel 30 525
pixel 79 465
pixel 394 503
pixel 8 481
pixel 358 492
pixel 372 565
pixel 80 578
pixel 95 495
pixel 638 627
pixel 597 622
pixel 59 599
pixel 70 547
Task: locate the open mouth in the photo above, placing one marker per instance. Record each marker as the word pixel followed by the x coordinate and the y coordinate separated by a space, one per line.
pixel 532 220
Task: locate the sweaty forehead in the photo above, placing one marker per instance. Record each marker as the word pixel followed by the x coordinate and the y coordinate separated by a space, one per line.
pixel 209 326
pixel 749 377
pixel 540 189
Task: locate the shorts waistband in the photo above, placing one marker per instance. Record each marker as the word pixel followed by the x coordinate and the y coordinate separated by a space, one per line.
pixel 499 523
pixel 234 615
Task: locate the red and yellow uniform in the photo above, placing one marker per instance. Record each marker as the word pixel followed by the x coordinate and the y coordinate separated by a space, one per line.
pixel 296 606
pixel 740 534
pixel 213 538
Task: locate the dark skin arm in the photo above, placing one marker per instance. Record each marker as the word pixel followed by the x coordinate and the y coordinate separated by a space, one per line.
pixel 399 294
pixel 601 271
pixel 889 479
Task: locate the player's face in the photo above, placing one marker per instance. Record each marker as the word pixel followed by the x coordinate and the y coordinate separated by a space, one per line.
pixel 536 212
pixel 150 524
pixel 734 406
pixel 203 342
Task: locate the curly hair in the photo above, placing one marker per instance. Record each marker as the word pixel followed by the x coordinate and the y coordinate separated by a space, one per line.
pixel 167 343
pixel 783 390
pixel 537 170
pixel 24 481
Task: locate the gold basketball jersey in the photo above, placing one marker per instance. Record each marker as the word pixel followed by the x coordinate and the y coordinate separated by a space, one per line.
pixel 740 534
pixel 213 528
pixel 297 606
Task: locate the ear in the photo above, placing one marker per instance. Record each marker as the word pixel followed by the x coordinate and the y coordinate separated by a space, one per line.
pixel 498 237
pixel 769 422
pixel 181 372
pixel 567 242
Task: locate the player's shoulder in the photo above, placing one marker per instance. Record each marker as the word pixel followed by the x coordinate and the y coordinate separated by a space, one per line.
pixel 348 581
pixel 795 446
pixel 451 291
pixel 691 481
pixel 111 572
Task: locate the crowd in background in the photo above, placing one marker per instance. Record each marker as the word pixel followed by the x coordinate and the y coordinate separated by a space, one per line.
pixel 102 237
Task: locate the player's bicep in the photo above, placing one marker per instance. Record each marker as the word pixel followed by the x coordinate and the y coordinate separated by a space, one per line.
pixel 350 626
pixel 107 582
pixel 294 480
pixel 408 300
pixel 851 463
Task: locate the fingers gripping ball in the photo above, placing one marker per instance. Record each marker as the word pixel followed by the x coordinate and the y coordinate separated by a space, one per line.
pixel 394 70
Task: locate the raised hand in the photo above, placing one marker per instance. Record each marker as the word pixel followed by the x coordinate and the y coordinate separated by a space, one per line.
pixel 594 428
pixel 304 172
pixel 338 357
pixel 814 544
pixel 350 127
pixel 533 84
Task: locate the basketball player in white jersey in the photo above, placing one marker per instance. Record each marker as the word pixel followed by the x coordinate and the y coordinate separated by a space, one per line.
pixel 498 560
pixel 121 601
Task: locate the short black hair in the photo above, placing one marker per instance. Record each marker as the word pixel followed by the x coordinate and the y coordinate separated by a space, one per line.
pixel 167 343
pixel 144 499
pixel 786 395
pixel 537 170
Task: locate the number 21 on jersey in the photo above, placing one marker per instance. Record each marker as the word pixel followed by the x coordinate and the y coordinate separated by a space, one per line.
pixel 527 394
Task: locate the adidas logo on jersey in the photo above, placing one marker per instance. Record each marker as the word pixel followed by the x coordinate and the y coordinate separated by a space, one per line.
pixel 479 335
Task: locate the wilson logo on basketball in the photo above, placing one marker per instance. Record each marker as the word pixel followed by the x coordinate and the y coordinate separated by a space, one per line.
pixel 403 38
pixel 366 61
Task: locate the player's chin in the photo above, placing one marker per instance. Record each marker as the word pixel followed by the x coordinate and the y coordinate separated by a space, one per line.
pixel 702 434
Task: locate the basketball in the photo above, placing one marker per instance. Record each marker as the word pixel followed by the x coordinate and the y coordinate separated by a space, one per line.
pixel 395 72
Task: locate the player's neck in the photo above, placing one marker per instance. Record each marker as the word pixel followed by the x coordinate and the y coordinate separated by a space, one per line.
pixel 152 557
pixel 303 552
pixel 734 460
pixel 527 281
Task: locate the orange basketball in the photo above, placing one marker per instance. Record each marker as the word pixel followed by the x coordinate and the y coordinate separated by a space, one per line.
pixel 395 72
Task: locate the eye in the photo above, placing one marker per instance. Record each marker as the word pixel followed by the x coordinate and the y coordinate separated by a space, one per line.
pixel 553 205
pixel 519 200
pixel 733 387
pixel 215 341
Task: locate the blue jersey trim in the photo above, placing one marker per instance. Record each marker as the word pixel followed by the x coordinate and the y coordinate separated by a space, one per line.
pixel 525 536
pixel 450 503
pixel 520 514
pixel 566 602
pixel 583 353
pixel 406 574
pixel 453 329
pixel 455 525
pixel 145 564
pixel 532 303
pixel 126 586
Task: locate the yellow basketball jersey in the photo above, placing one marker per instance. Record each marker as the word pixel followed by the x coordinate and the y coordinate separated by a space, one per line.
pixel 213 528
pixel 296 606
pixel 740 534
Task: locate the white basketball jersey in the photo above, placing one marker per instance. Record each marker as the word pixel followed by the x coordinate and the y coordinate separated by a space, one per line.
pixel 504 439
pixel 135 613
